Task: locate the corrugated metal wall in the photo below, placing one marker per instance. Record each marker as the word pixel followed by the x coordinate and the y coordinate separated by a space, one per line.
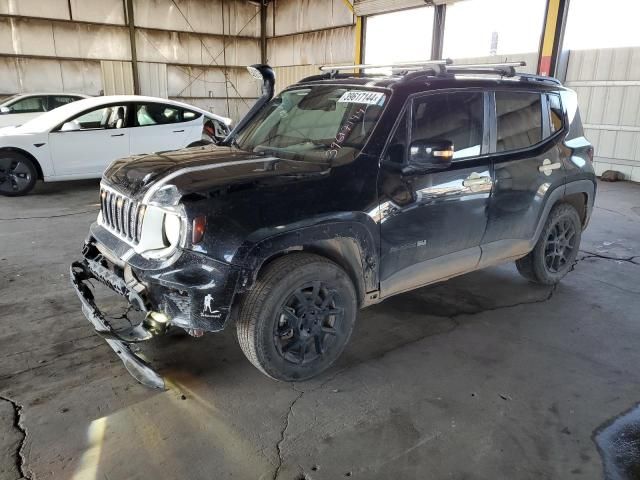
pixel 305 34
pixel 193 50
pixel 608 85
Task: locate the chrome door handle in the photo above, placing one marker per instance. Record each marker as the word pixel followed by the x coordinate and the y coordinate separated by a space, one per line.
pixel 476 180
pixel 547 167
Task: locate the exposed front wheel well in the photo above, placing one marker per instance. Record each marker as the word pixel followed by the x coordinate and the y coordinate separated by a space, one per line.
pixel 343 251
pixel 29 156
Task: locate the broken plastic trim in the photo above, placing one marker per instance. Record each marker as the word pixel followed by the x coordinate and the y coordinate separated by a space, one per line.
pixel 135 365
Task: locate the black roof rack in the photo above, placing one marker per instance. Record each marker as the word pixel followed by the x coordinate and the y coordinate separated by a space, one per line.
pixel 410 70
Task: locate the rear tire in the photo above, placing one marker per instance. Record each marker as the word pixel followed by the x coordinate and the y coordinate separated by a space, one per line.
pixel 18 174
pixel 557 248
pixel 298 317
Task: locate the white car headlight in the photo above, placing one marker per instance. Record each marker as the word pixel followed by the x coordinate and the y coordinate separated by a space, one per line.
pixel 171 229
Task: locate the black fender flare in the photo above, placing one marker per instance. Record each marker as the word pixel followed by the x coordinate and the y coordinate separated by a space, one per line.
pixel 349 238
pixel 586 187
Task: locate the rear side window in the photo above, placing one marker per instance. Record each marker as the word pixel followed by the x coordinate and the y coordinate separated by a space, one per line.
pixel 157 114
pixel 519 120
pixel 556 116
pixel 59 100
pixel 456 117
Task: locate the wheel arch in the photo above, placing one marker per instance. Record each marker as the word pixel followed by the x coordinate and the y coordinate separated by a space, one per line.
pixel 29 156
pixel 351 245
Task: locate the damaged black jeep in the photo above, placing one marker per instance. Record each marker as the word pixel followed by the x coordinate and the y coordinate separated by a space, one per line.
pixel 340 192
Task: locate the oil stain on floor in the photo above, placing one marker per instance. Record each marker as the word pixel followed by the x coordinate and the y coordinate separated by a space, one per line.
pixel 619 446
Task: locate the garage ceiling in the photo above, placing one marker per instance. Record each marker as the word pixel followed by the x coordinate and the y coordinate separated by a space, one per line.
pixel 372 7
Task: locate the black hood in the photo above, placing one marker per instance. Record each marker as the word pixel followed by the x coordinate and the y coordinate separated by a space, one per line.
pixel 200 169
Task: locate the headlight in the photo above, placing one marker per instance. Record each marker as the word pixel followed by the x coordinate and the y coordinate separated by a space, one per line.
pixel 171 229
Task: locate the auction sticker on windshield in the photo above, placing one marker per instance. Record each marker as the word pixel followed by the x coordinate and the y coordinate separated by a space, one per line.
pixel 359 96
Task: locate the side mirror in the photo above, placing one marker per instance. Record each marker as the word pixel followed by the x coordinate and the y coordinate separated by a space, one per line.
pixel 430 155
pixel 70 127
pixel 5 110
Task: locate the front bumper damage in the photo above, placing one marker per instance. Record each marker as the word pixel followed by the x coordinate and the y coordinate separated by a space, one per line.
pixel 119 341
pixel 193 293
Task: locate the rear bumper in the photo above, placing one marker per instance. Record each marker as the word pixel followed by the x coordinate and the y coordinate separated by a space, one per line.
pixel 119 341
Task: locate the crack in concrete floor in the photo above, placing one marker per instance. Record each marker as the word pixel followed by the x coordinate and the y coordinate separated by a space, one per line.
pixel 20 460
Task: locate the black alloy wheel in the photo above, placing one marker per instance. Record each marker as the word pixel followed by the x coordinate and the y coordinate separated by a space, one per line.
pixel 556 250
pixel 560 245
pixel 306 326
pixel 297 318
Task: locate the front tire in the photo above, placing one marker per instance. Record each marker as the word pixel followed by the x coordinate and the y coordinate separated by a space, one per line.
pixel 18 174
pixel 557 248
pixel 298 317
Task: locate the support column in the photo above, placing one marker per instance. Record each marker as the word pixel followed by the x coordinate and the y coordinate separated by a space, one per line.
pixel 552 36
pixel 263 31
pixel 437 38
pixel 132 39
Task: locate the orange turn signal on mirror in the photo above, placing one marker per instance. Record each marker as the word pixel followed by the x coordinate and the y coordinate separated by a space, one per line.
pixel 199 227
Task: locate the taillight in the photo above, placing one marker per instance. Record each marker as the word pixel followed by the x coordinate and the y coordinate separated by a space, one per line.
pixel 590 154
pixel 199 227
pixel 209 130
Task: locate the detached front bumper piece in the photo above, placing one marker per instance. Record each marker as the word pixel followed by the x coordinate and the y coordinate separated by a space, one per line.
pixel 118 340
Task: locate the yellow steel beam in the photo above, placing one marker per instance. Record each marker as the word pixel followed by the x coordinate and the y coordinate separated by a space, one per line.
pixel 549 36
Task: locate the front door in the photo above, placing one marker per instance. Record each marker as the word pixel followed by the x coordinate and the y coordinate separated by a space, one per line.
pixel 432 224
pixel 90 142
pixel 528 167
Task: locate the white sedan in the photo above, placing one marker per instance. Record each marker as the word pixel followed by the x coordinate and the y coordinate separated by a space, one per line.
pixel 23 107
pixel 81 139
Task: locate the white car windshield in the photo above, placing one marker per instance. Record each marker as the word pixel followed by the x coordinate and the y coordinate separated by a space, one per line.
pixel 317 124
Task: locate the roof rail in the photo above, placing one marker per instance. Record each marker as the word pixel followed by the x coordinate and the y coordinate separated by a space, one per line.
pixel 416 64
pixel 435 68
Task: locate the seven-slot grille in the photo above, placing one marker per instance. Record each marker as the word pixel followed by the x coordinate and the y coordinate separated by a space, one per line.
pixel 121 214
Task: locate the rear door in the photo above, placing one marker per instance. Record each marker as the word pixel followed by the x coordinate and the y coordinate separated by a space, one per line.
pixel 101 136
pixel 527 143
pixel 432 224
pixel 162 127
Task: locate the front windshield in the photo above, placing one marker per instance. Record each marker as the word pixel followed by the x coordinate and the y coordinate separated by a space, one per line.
pixel 6 101
pixel 316 124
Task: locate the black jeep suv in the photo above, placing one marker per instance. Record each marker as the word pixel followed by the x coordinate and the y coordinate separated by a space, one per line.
pixel 340 192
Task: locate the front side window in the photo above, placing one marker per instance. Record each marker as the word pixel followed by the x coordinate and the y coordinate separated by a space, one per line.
pixel 456 117
pixel 113 116
pixel 157 114
pixel 318 124
pixel 28 105
pixel 519 120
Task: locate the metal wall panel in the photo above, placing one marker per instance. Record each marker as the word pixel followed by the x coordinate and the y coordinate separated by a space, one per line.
pixel 297 16
pixel 313 48
pixel 22 36
pixel 99 11
pixel 36 8
pixel 37 74
pixel 152 78
pixel 195 49
pixel 205 16
pixel 286 76
pixel 607 82
pixel 117 78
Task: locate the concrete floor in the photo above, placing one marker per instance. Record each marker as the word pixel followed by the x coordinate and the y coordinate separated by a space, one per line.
pixel 484 376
